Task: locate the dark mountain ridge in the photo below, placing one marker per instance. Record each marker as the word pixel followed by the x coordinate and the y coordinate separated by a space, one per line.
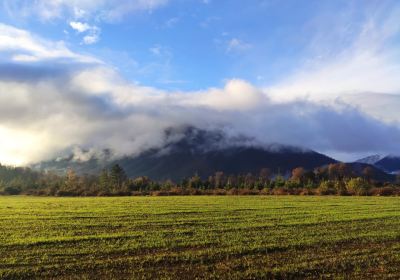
pixel 200 152
pixel 389 164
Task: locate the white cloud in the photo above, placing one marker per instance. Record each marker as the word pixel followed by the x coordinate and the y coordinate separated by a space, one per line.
pixel 363 71
pixel 237 95
pixel 107 10
pixel 79 13
pixel 171 22
pixel 25 47
pixel 92 32
pixel 59 104
pixel 237 45
pixel 91 39
pixel 156 50
pixel 79 26
pixel 359 71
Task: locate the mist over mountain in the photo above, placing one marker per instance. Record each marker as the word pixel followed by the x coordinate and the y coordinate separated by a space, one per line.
pixel 190 150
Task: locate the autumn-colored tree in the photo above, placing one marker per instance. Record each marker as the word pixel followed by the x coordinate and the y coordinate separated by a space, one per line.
pixel 321 173
pixel 339 171
pixel 139 183
pixel 368 173
pixel 219 179
pixel 344 170
pixel 265 174
pixel 71 180
pixel 298 174
pixel 249 181
pixel 195 182
pixel 231 182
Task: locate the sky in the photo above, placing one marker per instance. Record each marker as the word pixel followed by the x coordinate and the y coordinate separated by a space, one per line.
pixel 82 76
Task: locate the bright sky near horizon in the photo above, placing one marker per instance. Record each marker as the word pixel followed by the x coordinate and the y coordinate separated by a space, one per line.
pixel 96 74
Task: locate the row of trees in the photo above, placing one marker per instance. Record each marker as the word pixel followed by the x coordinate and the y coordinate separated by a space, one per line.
pixel 335 179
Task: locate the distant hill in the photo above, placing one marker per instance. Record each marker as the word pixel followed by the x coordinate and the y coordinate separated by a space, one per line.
pixel 371 159
pixel 204 153
pixel 389 164
pixel 377 174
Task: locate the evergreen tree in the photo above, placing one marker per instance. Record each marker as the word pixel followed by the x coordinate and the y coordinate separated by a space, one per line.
pixel 117 177
pixel 104 180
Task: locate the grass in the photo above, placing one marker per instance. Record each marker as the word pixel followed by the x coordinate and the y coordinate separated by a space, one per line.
pixel 225 237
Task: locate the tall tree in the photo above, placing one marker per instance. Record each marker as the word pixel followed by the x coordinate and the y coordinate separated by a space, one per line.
pixel 71 180
pixel 104 180
pixel 117 177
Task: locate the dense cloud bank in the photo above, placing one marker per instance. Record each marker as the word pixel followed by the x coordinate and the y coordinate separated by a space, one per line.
pixel 53 101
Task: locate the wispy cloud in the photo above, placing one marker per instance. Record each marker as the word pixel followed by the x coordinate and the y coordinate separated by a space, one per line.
pixel 104 10
pixel 78 14
pixel 21 46
pixel 209 21
pixel 171 22
pixel 360 61
pixel 236 44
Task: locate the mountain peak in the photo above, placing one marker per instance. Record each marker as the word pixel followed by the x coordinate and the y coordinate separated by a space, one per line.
pixel 371 159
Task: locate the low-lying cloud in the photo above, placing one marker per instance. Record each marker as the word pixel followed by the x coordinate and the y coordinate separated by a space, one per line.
pixel 58 101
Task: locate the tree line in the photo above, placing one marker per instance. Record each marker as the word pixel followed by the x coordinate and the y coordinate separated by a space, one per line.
pixel 334 179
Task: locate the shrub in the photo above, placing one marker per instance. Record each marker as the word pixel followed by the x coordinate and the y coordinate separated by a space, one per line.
pixel 247 192
pixel 233 191
pixel 280 191
pixel 340 188
pixel 292 184
pixel 265 191
pixel 325 188
pixel 357 186
pixel 219 192
pixel 160 193
pixel 11 190
pixel 384 191
pixel 66 193
pixel 307 191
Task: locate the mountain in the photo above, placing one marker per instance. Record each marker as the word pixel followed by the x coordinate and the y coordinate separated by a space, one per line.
pixel 202 152
pixel 389 164
pixel 61 165
pixel 371 159
pixel 377 174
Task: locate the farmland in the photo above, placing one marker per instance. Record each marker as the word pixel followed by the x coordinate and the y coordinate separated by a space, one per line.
pixel 233 237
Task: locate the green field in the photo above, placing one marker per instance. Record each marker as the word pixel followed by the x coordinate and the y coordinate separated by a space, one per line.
pixel 205 237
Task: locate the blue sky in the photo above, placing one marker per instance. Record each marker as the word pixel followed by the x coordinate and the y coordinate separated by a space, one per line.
pixel 194 44
pixel 319 74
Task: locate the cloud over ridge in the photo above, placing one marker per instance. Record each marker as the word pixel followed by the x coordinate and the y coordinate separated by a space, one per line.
pixel 48 106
